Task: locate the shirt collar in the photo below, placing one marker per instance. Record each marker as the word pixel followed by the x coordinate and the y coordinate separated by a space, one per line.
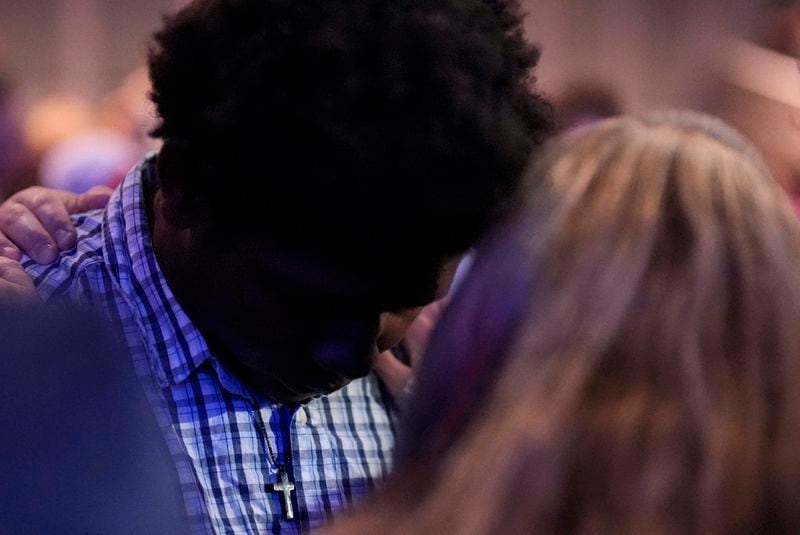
pixel 175 346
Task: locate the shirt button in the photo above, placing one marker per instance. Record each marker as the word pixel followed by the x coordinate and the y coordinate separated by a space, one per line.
pixel 301 417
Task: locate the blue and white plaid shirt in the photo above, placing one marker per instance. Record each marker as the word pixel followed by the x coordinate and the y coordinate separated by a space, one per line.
pixel 340 444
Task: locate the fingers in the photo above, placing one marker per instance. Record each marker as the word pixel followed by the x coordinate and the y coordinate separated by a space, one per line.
pixel 394 373
pixel 8 249
pixel 52 208
pixel 21 226
pixel 36 221
pixel 95 198
pixel 12 272
pixel 419 333
pixel 15 285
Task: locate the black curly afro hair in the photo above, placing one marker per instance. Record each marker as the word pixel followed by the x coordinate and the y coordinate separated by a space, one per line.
pixel 373 125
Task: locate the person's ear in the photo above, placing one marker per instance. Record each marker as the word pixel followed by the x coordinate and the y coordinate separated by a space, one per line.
pixel 180 204
pixel 180 208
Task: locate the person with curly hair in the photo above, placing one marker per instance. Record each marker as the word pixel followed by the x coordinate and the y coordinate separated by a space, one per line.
pixel 324 165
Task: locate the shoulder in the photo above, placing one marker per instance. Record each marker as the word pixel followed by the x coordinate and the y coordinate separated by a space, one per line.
pixel 75 266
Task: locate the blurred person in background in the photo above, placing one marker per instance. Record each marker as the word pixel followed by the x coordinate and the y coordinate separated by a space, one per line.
pixel 95 157
pixel 47 123
pixel 759 92
pixel 780 27
pixel 129 111
pixel 583 103
pixel 54 118
pixel 760 95
pixel 11 145
pixel 74 147
pixel 101 153
pixel 49 126
pixel 292 226
pixel 623 357
pixel 82 451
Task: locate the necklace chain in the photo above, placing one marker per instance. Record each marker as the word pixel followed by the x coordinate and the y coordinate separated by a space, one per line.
pixel 284 485
pixel 271 451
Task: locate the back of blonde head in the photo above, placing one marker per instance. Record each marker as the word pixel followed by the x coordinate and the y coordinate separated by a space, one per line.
pixel 651 382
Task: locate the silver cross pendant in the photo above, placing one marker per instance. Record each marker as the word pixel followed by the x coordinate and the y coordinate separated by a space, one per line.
pixel 285 487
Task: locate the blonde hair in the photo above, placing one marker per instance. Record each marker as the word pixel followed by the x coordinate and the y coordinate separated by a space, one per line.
pixel 650 382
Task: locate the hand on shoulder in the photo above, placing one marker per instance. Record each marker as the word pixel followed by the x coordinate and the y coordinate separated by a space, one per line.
pixel 35 221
